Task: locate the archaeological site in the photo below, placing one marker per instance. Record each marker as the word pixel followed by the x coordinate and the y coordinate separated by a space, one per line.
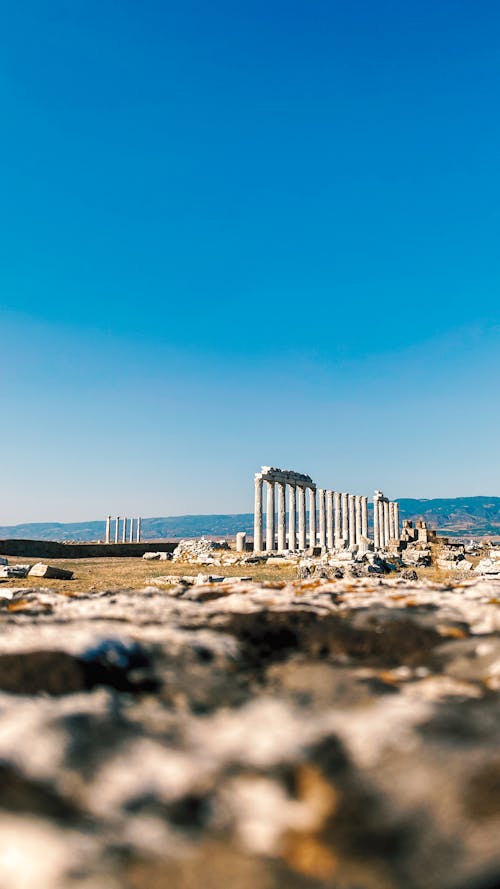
pixel 314 708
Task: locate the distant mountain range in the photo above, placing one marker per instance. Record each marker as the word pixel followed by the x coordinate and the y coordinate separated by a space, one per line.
pixel 452 516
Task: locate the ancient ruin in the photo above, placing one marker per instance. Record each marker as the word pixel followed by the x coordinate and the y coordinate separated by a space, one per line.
pixel 334 519
pixel 125 524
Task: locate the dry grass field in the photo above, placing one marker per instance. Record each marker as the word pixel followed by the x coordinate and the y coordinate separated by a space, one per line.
pixel 94 575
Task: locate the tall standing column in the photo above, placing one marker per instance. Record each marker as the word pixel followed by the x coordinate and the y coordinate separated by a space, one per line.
pixel 257 516
pixel 138 533
pixel 386 521
pixel 396 521
pixel 345 517
pixel 270 517
pixel 329 520
pixel 381 526
pixel 312 516
pixel 117 528
pixel 302 517
pixel 292 536
pixel 337 517
pixel 108 528
pixel 358 517
pixel 376 526
pixel 364 516
pixel 391 521
pixel 124 530
pixel 281 517
pixel 322 517
pixel 131 534
pixel 352 520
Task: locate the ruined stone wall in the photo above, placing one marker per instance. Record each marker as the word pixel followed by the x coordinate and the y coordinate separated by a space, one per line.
pixel 50 549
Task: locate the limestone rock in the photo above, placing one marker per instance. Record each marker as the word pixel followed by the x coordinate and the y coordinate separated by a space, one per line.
pixel 198 550
pixel 40 569
pixel 14 570
pixel 315 734
pixel 488 566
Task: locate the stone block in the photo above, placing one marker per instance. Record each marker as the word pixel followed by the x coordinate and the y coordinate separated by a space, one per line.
pixel 50 571
pixel 488 566
pixel 14 570
pixel 241 539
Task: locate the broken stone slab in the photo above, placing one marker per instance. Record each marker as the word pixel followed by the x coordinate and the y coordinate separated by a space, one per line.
pixel 50 571
pixel 14 570
pixel 207 578
pixel 415 558
pixel 159 557
pixel 172 579
pixel 278 562
pixel 488 566
pixel 237 580
pixel 345 555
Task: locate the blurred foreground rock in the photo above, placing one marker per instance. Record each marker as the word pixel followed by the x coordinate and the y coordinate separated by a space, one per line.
pixel 339 734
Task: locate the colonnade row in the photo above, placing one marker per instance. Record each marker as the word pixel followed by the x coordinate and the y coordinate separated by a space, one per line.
pixel 333 519
pixel 385 520
pixel 126 524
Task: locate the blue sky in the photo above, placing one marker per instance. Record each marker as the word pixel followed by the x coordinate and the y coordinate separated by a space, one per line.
pixel 235 234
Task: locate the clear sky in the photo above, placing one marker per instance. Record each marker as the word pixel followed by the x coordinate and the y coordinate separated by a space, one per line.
pixel 245 233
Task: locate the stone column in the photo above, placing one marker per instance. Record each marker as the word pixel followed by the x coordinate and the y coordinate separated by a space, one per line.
pixel 270 517
pixel 386 521
pixel 241 539
pixel 337 517
pixel 329 520
pixel 381 526
pixel 364 517
pixel 108 528
pixel 281 517
pixel 322 517
pixel 138 532
pixel 312 516
pixel 131 534
pixel 292 534
pixel 358 517
pixel 391 521
pixel 396 521
pixel 376 527
pixel 352 519
pixel 117 528
pixel 257 516
pixel 345 517
pixel 302 516
pixel 124 530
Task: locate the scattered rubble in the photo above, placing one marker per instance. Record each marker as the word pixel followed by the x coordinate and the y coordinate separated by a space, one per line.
pixel 190 580
pixel 199 551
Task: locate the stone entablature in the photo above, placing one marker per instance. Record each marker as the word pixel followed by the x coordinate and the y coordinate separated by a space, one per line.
pixel 273 474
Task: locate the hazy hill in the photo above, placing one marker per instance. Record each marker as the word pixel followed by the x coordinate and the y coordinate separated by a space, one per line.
pixel 460 515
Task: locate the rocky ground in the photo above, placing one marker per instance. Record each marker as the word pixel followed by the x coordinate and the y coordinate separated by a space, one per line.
pixel 335 733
